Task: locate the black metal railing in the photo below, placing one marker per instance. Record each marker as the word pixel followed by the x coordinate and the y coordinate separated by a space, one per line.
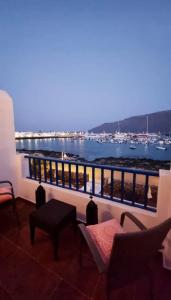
pixel 124 185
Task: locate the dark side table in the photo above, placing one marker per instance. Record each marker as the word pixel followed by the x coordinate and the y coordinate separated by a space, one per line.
pixel 52 217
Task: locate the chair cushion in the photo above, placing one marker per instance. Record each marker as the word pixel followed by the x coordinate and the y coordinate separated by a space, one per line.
pixel 6 197
pixel 103 236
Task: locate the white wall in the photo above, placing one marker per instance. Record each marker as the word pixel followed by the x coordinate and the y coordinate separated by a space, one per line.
pixel 7 139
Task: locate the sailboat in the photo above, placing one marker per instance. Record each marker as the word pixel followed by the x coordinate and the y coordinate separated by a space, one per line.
pixel 161 146
pixel 147 135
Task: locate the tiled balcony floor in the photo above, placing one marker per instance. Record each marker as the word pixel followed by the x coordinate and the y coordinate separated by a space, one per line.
pixel 30 272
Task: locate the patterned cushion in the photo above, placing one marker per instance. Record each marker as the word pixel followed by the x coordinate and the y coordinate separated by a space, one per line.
pixel 6 197
pixel 103 236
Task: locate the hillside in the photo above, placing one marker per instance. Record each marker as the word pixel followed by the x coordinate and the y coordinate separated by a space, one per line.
pixel 157 122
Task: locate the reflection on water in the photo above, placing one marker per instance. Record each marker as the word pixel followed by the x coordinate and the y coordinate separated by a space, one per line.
pixel 91 150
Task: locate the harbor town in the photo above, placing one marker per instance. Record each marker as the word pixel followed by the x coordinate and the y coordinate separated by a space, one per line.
pixel 161 141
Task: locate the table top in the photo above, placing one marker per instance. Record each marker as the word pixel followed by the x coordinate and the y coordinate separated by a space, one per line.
pixel 53 212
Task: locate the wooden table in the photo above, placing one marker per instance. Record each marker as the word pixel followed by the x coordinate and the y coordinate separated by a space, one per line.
pixel 52 217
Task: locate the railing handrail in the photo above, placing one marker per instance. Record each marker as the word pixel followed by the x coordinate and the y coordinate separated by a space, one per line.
pixel 106 167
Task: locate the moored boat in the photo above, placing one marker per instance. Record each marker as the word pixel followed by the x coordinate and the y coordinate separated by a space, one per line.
pixel 161 148
pixel 132 147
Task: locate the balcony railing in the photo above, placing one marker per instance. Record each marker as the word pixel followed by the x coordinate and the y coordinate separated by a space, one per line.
pixel 123 185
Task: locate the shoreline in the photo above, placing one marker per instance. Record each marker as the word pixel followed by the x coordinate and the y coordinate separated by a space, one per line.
pixel 45 137
pixel 137 163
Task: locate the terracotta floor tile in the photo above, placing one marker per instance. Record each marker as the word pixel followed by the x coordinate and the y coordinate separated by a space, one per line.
pixel 84 278
pixel 127 293
pixel 4 295
pixel 6 249
pixel 66 292
pixel 26 279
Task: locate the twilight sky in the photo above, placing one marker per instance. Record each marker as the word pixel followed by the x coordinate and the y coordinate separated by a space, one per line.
pixel 72 65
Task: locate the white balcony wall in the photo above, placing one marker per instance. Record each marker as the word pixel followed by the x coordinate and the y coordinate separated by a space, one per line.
pixel 7 139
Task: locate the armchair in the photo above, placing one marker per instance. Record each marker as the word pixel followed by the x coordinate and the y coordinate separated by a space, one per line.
pixel 7 195
pixel 118 253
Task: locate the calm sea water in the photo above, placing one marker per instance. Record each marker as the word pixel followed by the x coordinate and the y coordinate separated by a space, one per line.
pixel 91 150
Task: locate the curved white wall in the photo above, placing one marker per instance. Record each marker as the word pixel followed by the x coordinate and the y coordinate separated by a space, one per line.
pixel 7 139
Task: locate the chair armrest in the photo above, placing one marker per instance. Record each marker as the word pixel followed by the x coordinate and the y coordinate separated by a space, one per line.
pixel 7 193
pixel 11 187
pixel 133 219
pixel 93 249
pixel 6 181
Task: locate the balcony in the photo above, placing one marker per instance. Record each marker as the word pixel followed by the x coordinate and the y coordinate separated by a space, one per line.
pixel 30 272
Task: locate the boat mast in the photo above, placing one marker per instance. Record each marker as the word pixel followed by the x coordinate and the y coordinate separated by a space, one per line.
pixel 147 125
pixel 118 127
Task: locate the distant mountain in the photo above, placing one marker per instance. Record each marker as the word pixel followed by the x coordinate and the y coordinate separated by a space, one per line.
pixel 157 122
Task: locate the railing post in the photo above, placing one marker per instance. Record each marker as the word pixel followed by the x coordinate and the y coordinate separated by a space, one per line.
pixel 40 175
pixel 50 172
pixel 34 167
pixel 85 179
pixel 112 184
pixel 133 189
pixel 102 181
pixel 122 186
pixel 63 175
pixel 30 168
pixel 70 177
pixel 93 180
pixel 45 174
pixel 146 191
pixel 56 167
pixel 77 178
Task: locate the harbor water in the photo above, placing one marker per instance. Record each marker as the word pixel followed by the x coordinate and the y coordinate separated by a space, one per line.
pixel 90 149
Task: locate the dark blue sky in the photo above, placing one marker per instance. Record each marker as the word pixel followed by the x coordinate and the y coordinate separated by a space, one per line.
pixel 72 65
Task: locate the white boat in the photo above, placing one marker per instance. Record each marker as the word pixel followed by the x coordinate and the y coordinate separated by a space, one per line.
pixel 132 147
pixel 161 148
pixel 64 156
pixel 100 141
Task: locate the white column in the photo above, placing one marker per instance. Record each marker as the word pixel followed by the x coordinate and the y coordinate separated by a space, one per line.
pixel 7 139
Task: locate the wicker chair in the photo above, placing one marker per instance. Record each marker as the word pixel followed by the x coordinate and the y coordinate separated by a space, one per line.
pixel 7 195
pixel 117 253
